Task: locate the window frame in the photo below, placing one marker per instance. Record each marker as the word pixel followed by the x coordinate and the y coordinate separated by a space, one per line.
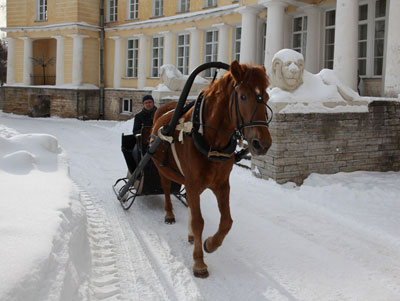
pixel 210 3
pixel 183 6
pixel 214 53
pixel 302 33
pixel 130 106
pixel 160 56
pixel 157 12
pixel 41 15
pixel 112 17
pixel 329 27
pixel 184 69
pixel 134 59
pixel 236 43
pixel 132 14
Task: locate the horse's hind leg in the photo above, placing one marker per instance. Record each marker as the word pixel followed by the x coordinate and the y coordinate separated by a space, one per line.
pixel 169 214
pixel 225 224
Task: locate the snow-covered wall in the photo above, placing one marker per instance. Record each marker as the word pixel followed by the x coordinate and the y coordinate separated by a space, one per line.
pixel 329 143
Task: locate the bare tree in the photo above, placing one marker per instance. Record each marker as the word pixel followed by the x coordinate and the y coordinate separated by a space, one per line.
pixel 43 62
pixel 3 62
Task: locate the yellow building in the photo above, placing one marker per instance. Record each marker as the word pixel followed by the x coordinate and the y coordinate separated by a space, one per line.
pixel 96 70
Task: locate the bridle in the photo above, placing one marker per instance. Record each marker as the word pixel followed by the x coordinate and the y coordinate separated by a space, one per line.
pixel 240 123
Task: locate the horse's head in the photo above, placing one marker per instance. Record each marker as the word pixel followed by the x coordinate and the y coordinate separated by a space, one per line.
pixel 249 106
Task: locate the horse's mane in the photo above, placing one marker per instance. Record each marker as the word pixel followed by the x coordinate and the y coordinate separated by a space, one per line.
pixel 253 76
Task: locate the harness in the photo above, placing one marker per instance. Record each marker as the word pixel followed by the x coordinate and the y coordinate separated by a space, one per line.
pixel 195 129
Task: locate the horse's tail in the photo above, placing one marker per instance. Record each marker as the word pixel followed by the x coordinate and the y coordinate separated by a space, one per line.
pixel 164 109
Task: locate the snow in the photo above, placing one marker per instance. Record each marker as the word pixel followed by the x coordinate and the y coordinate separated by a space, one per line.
pixel 335 237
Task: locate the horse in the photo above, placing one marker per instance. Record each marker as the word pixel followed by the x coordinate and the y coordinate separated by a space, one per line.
pixel 234 105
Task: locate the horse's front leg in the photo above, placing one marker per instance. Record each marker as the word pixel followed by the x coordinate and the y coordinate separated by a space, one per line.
pixel 197 225
pixel 214 242
pixel 169 214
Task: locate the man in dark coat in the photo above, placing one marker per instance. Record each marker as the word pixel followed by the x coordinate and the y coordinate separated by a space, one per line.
pixel 143 118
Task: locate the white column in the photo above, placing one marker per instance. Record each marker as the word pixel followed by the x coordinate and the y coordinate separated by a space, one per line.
pixel 248 42
pixel 28 63
pixel 168 49
pixel 275 29
pixel 223 42
pixel 117 61
pixel 77 59
pixel 59 60
pixel 10 61
pixel 194 52
pixel 346 40
pixel 313 26
pixel 142 61
pixel 391 70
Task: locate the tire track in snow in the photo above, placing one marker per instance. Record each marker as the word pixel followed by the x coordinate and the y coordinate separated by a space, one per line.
pixel 104 282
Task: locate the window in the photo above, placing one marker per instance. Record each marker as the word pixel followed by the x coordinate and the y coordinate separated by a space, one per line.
pixel 157 44
pixel 183 5
pixel 379 38
pixel 157 8
pixel 299 36
pixel 264 42
pixel 362 39
pixel 236 46
pixel 183 53
pixel 126 106
pixel 211 52
pixel 210 3
pixel 329 45
pixel 133 9
pixel 41 10
pixel 112 10
pixel 371 38
pixel 132 54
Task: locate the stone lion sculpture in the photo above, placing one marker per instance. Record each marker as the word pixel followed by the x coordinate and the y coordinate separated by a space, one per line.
pixel 287 70
pixel 175 80
pixel 297 84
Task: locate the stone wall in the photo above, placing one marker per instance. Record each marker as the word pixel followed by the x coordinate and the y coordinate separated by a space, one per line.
pixel 331 143
pixel 2 97
pixel 66 103
pixel 112 103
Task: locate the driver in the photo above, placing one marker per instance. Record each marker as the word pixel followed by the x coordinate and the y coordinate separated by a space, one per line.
pixel 143 118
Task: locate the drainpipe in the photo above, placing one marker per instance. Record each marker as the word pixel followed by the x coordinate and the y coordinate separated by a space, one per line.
pixel 101 108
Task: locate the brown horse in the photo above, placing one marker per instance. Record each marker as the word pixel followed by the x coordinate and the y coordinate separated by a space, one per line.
pixel 234 103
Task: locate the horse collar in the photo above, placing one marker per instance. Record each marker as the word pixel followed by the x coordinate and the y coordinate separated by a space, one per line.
pixel 198 132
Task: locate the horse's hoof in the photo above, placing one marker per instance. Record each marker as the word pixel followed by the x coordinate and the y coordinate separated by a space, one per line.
pixel 191 239
pixel 205 246
pixel 169 220
pixel 201 273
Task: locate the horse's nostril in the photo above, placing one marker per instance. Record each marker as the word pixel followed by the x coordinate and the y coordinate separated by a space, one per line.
pixel 256 144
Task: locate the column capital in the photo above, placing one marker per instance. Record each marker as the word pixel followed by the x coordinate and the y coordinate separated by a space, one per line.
pixel 166 32
pixel 248 10
pixel 269 3
pixel 115 38
pixel 58 37
pixel 78 36
pixel 25 38
pixel 140 35
pixel 9 39
pixel 221 25
pixel 193 29
pixel 310 9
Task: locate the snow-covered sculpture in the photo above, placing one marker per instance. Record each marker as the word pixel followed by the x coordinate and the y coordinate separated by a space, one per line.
pixel 175 80
pixel 292 84
pixel 287 70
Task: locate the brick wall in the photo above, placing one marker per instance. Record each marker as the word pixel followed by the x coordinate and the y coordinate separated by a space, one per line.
pixel 66 103
pixel 112 103
pixel 331 143
pixel 2 97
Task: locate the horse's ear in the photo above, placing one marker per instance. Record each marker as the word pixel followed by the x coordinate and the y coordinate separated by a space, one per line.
pixel 236 71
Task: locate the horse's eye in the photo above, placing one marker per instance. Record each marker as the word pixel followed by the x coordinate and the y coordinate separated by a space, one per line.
pixel 243 97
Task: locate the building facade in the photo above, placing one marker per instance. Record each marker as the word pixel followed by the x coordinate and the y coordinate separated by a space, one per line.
pixel 60 43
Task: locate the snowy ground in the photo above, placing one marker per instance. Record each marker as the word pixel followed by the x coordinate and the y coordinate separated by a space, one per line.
pixel 63 235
